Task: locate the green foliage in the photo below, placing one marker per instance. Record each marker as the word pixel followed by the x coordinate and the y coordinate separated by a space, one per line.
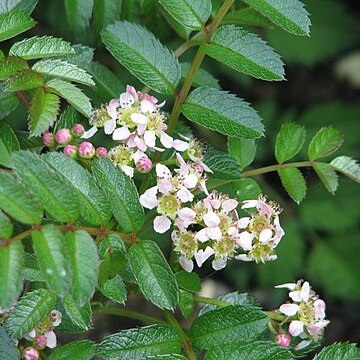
pixel 339 351
pixel 347 166
pixel 223 112
pixel 327 176
pixel 140 343
pixel 9 103
pixel 246 16
pixel 293 182
pixel 7 346
pixel 14 23
pixel 186 303
pixel 6 226
pixel 78 14
pixel 24 80
pixel 223 165
pixel 81 350
pixel 245 52
pixel 105 13
pixel 324 143
pixel 243 150
pixel 8 144
pixel 188 281
pixel 156 280
pixel 143 55
pixel 114 289
pixel 202 77
pixel 11 65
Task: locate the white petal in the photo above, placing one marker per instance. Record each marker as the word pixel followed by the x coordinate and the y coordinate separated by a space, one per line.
pixel 186 214
pixel 161 104
pixel 245 240
pixel 211 219
pixel 112 108
pixel 302 344
pixel 243 222
pixel 162 224
pixel 218 264
pixel 186 264
pixel 305 291
pixel 190 181
pixel 202 255
pixel 140 143
pixel 180 145
pixel 138 155
pixel 202 235
pixel 140 129
pixel 164 186
pixel 295 296
pixel 126 100
pixel 128 170
pixel 109 126
pixel 150 138
pixel 162 171
pixel 90 133
pixel 290 286
pixel 148 199
pixel 131 90
pixel 184 195
pixel 229 205
pixel 243 257
pixel 289 309
pixel 147 106
pixel 296 327
pixel 215 203
pixel 139 118
pixel 166 140
pixel 319 309
pixel 249 204
pixel 51 339
pixel 214 232
pixel 265 235
pixel 122 133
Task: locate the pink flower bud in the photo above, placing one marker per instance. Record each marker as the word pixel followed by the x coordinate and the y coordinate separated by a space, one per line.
pixel 30 354
pixel 48 139
pixel 86 150
pixel 78 130
pixel 41 342
pixel 70 150
pixel 63 136
pixel 101 152
pixel 283 340
pixel 144 164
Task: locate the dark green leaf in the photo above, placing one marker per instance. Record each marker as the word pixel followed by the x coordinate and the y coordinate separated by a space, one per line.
pixel 229 324
pixel 105 13
pixel 82 56
pixel 11 275
pixel 85 265
pixel 78 15
pixel 67 119
pixel 24 80
pixel 55 195
pixel 29 143
pixel 223 112
pixel 143 55
pixel 41 47
pixel 8 348
pixel 121 194
pixel 154 275
pixel 223 165
pixel 246 16
pixel 202 77
pixel 291 16
pixel 294 183
pixel 43 112
pixel 17 202
pixel 339 351
pixel 188 281
pixel 247 189
pixel 11 65
pixel 190 13
pixel 6 226
pixel 140 343
pixel 289 141
pixel 79 350
pixel 9 102
pixel 14 23
pixel 181 30
pixel 186 303
pixel 347 166
pixel 29 311
pixel 245 52
pixel 328 176
pixel 243 150
pixel 26 5
pixel 324 143
pixel 8 144
pixel 114 289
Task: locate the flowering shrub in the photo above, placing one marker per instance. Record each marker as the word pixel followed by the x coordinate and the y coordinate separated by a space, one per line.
pixel 78 194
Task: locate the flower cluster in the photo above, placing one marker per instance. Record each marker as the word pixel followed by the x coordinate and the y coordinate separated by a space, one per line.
pixel 306 313
pixel 42 336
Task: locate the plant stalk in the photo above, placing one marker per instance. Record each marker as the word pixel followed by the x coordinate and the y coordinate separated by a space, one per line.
pixel 277 167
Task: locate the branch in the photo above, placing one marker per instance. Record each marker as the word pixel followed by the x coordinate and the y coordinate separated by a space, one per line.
pixel 23 98
pixel 277 167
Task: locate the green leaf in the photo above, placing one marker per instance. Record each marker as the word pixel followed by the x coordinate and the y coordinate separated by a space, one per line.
pixel 202 77
pixel 85 263
pixel 82 56
pixel 294 183
pixel 167 357
pixel 105 12
pixel 107 83
pixel 14 23
pixel 24 80
pixel 8 348
pixel 289 141
pixel 156 280
pixel 223 112
pixel 181 30
pixel 143 55
pixel 26 5
pixel 324 143
pixel 186 303
pixel 8 144
pixel 64 70
pixel 247 189
pixel 121 194
pixel 17 202
pixel 71 94
pixel 6 226
pixel 250 350
pixel 246 16
pixel 347 166
pixel 80 350
pixel 34 144
pixel 11 276
pixel 328 176
pixel 243 150
pixel 43 112
pixel 223 165
pixel 114 289
pixel 57 198
pixel 29 311
pixel 140 343
pixel 94 208
pixel 53 260
pixel 245 52
pixel 78 14
pixel 229 324
pixel 11 65
pixel 292 16
pixel 188 281
pixel 189 13
pixel 339 351
pixel 9 102
pixel 41 47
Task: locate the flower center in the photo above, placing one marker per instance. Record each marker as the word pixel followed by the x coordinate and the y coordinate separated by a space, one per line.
pixel 258 224
pixel 188 245
pixel 99 117
pixel 306 313
pixel 168 205
pixel 225 246
pixel 121 155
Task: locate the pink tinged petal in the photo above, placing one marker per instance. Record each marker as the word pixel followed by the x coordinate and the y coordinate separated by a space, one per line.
pixel 229 205
pixel 147 106
pixel 163 172
pixel 140 143
pixel 31 335
pixel 249 204
pixel 180 145
pixel 138 155
pixel 164 186
pixel 126 100
pixel 150 138
pixel 243 257
pixel 264 208
pixel 202 255
pixel 122 133
pixel 296 327
pixel 131 90
pixel 245 240
pixel 190 181
pixel 51 339
pixel 305 291
pixel 202 236
pixel 185 195
pixel 141 129
pixel 162 224
pixel 289 309
pixel 89 133
pixel 215 204
pixel 295 296
pixel 290 286
pixel 211 219
pixel 139 119
pixel 214 232
pixel 283 340
pixel 219 264
pixel 243 222
pixel 182 163
pixel 265 235
pixel 128 170
pixel 109 126
pixel 319 309
pixel 166 140
pixel 112 108
pixel 186 214
pixel 186 264
pixel 131 141
pixel 148 199
pixel 302 344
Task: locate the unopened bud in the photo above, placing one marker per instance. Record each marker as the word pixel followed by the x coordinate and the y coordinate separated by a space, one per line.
pixel 86 150
pixel 30 354
pixel 41 342
pixel 144 164
pixel 101 152
pixel 48 139
pixel 70 150
pixel 63 136
pixel 78 130
pixel 283 340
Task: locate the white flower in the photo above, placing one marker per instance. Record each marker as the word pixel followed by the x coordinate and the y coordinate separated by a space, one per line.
pixel 202 255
